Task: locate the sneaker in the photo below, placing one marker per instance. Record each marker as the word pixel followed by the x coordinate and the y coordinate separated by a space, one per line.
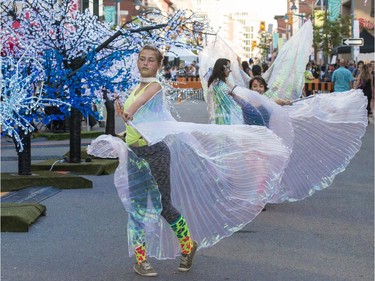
pixel 186 260
pixel 145 269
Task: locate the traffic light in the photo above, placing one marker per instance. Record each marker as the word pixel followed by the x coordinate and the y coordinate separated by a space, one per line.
pixel 262 26
pixel 290 18
pixel 253 45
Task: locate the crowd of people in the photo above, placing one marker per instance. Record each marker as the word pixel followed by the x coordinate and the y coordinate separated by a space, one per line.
pixel 187 70
pixel 343 75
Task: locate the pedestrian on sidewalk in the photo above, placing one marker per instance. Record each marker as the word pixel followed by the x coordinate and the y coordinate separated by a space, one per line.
pixel 365 83
pixel 342 78
pixel 158 159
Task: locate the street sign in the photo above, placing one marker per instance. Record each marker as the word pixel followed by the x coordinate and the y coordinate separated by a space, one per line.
pixel 352 42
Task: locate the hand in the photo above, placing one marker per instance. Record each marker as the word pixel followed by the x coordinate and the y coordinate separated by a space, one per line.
pixel 231 92
pixel 126 116
pixel 239 60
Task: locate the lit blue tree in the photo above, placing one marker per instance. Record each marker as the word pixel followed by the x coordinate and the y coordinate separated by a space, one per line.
pixel 78 52
pixel 21 104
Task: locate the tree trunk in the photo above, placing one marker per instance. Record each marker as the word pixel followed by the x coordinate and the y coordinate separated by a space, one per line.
pixel 110 120
pixel 75 136
pixel 24 157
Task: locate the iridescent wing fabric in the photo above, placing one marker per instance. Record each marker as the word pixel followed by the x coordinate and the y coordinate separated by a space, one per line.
pixel 285 77
pixel 217 48
pixel 327 134
pixel 250 108
pixel 221 176
pixel 136 187
pixel 323 132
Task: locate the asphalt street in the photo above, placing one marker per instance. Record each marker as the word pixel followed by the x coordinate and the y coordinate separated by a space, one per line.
pixel 327 237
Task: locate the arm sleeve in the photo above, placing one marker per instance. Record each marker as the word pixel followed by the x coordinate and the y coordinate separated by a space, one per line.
pixel 253 115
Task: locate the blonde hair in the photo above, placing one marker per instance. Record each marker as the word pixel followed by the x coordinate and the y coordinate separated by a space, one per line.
pixel 159 55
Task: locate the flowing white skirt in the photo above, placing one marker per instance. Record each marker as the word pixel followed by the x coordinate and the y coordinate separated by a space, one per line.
pixel 221 176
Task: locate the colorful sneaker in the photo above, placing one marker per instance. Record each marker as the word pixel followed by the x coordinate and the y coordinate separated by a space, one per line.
pixel 145 269
pixel 186 260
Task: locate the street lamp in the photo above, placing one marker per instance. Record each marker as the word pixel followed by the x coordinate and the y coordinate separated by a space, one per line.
pixel 137 4
pixel 288 18
pixel 293 8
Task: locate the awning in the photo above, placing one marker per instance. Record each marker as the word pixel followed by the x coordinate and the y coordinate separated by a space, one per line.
pixel 368 45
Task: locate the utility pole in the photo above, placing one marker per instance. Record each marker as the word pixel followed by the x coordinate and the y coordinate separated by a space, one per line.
pixel 117 7
pixel 352 16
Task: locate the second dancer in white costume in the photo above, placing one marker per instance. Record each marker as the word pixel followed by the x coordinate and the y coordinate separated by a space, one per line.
pixel 323 133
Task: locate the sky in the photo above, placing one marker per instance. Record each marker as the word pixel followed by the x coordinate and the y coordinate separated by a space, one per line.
pixel 258 9
pixel 265 9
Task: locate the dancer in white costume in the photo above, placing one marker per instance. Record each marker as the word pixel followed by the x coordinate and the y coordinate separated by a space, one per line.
pixel 326 130
pixel 214 177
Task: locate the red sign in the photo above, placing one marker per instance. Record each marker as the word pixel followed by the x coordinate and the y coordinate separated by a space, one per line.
pixel 365 23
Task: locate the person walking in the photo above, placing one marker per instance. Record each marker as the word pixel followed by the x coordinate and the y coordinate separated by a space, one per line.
pixel 365 83
pixel 246 68
pixel 342 78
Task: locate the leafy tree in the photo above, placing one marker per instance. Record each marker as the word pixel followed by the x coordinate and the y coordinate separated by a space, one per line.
pixel 329 34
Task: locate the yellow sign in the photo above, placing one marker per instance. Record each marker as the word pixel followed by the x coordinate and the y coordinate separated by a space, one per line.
pixel 319 18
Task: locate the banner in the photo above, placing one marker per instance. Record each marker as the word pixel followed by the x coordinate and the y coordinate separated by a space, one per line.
pixel 280 43
pixel 319 18
pixel 334 9
pixel 275 39
pixel 110 14
pixel 270 28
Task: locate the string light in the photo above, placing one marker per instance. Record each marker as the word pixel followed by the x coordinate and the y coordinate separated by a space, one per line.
pixel 56 37
pixel 20 107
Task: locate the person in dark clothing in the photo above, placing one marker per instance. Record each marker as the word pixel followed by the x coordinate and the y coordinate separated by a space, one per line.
pixel 264 67
pixel 246 68
pixel 257 70
pixel 365 82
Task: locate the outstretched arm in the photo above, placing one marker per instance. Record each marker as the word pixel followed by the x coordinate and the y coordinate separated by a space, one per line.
pixel 141 100
pixel 252 115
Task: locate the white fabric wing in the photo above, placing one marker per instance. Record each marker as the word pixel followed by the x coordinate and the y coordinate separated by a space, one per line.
pixel 221 176
pixel 285 77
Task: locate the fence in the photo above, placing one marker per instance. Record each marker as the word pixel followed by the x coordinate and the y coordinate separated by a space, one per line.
pixel 319 86
pixel 187 88
pixel 186 94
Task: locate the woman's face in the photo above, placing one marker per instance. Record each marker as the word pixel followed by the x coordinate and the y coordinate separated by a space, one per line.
pixel 148 64
pixel 257 86
pixel 227 69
